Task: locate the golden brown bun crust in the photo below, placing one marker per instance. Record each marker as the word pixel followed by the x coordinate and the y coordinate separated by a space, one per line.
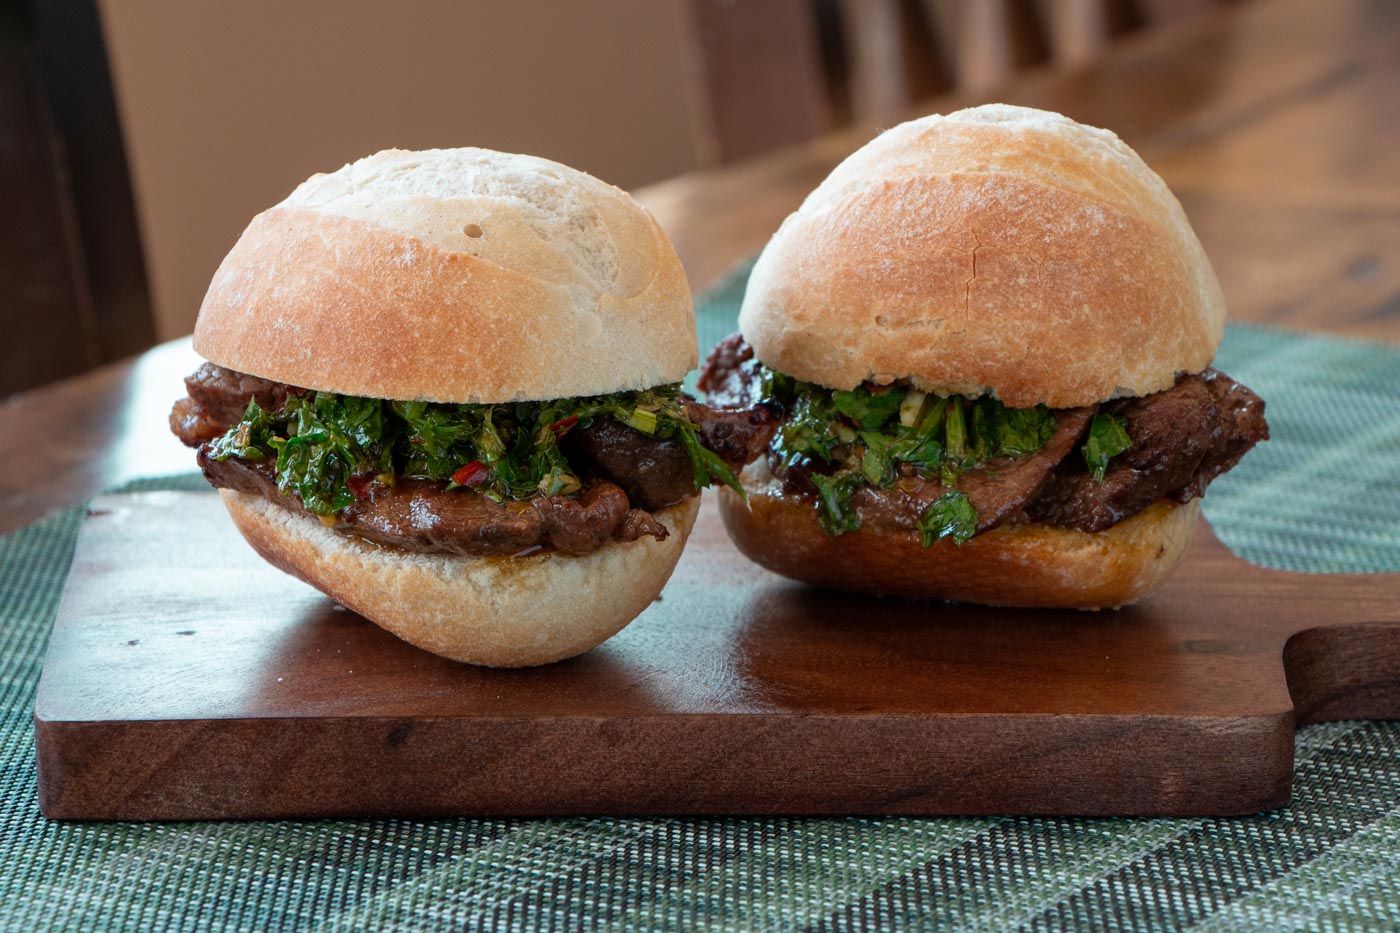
pixel 1029 565
pixel 493 611
pixel 457 275
pixel 994 249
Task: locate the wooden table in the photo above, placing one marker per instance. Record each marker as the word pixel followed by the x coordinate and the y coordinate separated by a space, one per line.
pixel 1277 123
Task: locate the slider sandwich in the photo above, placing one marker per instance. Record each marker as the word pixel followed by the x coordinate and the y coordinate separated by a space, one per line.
pixel 990 335
pixel 444 388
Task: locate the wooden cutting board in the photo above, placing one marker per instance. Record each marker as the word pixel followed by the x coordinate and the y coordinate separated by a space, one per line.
pixel 186 679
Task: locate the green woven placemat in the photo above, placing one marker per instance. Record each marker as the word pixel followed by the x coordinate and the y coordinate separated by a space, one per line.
pixel 1323 495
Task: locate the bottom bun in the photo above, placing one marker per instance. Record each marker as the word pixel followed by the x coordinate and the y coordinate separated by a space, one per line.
pixel 1025 564
pixel 493 611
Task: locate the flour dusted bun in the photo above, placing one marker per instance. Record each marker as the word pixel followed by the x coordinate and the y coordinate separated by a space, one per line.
pixel 453 275
pixel 492 611
pixel 1021 564
pixel 998 249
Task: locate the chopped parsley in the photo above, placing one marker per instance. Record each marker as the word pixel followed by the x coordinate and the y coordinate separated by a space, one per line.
pixel 328 447
pixel 952 516
pixel 1108 437
pixel 873 435
pixel 835 512
pixel 870 436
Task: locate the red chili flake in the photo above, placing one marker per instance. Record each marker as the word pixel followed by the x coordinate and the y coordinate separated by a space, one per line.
pixel 473 474
pixel 359 486
pixel 561 427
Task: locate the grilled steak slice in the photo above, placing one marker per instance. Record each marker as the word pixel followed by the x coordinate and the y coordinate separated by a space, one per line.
pixel 217 399
pixel 582 525
pixel 226 392
pixel 1182 439
pixel 421 515
pixel 194 425
pixel 999 490
pixel 729 377
pixel 639 523
pixel 656 473
pixel 1238 428
pixel 737 435
pixel 424 516
pixel 623 468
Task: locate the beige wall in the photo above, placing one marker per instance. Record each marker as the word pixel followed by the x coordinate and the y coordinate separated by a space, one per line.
pixel 227 105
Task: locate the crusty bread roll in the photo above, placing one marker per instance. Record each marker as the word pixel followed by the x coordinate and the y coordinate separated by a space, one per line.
pixel 492 611
pixel 453 275
pixel 1022 564
pixel 458 275
pixel 995 250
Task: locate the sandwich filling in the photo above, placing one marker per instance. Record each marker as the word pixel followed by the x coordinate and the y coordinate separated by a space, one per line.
pixel 565 474
pixel 893 458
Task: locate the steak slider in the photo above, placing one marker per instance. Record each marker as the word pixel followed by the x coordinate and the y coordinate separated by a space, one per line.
pixel 443 388
pixel 991 334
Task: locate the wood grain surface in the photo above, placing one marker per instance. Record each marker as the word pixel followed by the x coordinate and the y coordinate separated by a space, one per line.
pixel 186 679
pixel 1277 122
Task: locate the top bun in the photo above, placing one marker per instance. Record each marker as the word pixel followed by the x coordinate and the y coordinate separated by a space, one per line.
pixel 453 275
pixel 997 250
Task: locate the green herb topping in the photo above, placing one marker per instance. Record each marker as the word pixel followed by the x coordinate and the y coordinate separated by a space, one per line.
pixel 329 448
pixel 1107 439
pixel 834 509
pixel 874 435
pixel 951 515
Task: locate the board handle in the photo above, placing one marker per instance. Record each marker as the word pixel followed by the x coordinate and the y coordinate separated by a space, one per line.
pixel 1344 672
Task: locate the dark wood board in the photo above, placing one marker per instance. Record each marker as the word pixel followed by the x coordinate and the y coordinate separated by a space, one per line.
pixel 186 679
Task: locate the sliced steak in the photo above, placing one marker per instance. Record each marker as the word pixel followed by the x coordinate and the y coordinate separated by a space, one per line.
pixel 194 425
pixel 425 516
pixel 737 435
pixel 217 399
pixel 225 392
pixel 1003 488
pixel 1170 432
pixel 656 474
pixel 639 523
pixel 730 377
pixel 1238 428
pixel 999 490
pixel 254 477
pixel 1182 439
pixel 582 525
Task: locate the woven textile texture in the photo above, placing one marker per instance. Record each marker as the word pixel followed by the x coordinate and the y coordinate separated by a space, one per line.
pixel 1324 495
